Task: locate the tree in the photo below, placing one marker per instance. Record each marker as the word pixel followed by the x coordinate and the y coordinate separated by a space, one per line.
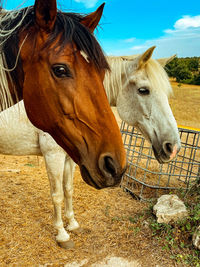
pixel 193 64
pixel 196 79
pixel 185 70
pixel 171 66
pixel 181 72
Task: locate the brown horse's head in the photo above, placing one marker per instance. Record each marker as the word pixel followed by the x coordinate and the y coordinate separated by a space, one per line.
pixel 63 70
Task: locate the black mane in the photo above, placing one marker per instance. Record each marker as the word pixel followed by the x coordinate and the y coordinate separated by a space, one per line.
pixel 67 26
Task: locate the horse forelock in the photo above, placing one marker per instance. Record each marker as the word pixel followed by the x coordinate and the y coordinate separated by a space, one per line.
pixel 70 29
pixel 158 77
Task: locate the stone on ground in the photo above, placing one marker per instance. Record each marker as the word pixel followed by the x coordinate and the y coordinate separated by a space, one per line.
pixel 169 208
pixel 107 262
pixel 196 238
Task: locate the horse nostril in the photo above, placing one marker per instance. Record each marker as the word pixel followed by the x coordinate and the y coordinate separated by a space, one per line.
pixel 107 166
pixel 168 148
pixel 110 166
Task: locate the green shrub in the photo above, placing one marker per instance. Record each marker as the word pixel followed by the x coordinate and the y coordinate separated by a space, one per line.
pixel 185 70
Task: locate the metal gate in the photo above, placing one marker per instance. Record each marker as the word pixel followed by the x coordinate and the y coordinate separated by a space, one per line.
pixel 145 178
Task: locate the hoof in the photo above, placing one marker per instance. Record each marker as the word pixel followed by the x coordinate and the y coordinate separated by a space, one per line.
pixel 66 244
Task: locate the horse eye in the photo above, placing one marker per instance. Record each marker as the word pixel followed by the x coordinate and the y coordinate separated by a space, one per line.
pixel 61 71
pixel 143 91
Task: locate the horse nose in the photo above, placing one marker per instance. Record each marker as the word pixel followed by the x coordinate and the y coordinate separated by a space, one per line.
pixel 170 149
pixel 107 166
pixel 110 169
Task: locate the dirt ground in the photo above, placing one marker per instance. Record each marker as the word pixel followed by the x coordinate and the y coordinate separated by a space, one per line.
pixel 27 236
pixel 108 219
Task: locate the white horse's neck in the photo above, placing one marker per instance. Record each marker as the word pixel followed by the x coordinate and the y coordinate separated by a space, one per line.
pixel 113 79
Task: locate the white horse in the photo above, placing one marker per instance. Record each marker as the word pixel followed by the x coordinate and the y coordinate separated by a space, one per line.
pixel 139 87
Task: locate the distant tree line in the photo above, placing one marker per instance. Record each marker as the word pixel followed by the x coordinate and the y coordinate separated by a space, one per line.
pixel 185 70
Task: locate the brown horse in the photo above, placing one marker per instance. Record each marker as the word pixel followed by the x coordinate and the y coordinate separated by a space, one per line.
pixel 52 60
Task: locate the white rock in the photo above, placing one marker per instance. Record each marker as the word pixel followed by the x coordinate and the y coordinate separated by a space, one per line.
pixel 196 238
pixel 116 262
pixel 169 208
pixel 109 261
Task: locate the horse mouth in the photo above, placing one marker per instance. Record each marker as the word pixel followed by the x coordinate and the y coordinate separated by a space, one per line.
pixel 161 156
pixel 88 178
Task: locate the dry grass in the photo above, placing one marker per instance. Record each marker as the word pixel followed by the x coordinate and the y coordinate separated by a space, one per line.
pixel 185 104
pixel 27 236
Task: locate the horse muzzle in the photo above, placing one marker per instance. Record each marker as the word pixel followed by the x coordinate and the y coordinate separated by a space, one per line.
pixel 167 153
pixel 109 174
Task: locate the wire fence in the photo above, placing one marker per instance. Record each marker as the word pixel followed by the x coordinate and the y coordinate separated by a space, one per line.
pixel 145 178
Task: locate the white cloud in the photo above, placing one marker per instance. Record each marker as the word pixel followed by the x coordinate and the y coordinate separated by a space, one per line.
pixel 187 22
pixel 169 31
pixel 87 3
pixel 138 47
pixel 129 40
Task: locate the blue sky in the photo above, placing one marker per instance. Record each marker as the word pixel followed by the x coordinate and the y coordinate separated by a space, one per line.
pixel 131 26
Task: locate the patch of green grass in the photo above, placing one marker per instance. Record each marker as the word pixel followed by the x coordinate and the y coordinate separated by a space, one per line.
pixel 118 219
pixel 29 165
pixel 176 238
pixel 190 260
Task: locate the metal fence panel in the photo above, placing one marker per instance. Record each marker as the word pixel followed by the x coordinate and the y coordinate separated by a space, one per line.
pixel 146 178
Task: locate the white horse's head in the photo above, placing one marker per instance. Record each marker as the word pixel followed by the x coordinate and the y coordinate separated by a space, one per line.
pixel 143 102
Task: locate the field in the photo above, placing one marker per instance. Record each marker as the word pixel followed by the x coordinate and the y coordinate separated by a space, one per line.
pixel 112 222
pixel 185 104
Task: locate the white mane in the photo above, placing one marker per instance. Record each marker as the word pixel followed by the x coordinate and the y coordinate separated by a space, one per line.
pixel 113 80
pixel 5 95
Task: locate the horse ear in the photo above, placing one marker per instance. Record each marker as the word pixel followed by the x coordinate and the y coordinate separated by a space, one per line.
pixel 143 59
pixel 45 13
pixel 164 61
pixel 91 21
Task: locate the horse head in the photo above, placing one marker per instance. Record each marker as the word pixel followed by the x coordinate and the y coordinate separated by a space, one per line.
pixel 146 89
pixel 61 79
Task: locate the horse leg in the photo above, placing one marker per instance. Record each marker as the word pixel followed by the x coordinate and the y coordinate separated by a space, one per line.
pixel 69 168
pixel 55 159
